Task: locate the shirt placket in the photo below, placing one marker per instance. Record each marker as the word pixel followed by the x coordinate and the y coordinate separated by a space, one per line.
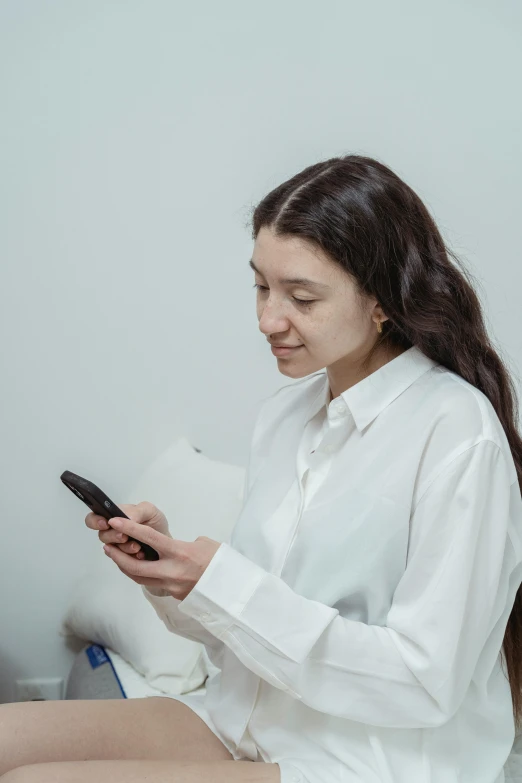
pixel 333 435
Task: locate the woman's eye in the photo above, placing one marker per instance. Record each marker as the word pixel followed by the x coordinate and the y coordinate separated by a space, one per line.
pixel 303 302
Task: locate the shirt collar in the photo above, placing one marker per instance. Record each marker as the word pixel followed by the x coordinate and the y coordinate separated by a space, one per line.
pixel 367 398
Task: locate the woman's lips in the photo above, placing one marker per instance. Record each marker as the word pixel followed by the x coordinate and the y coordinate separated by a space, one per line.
pixel 285 351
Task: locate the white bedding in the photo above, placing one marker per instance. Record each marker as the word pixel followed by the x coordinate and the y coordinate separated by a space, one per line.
pixel 134 685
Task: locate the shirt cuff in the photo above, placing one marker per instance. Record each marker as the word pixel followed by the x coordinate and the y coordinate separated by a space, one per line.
pixel 156 593
pixel 223 590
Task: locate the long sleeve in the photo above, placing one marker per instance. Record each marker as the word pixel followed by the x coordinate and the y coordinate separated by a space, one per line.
pixel 415 671
pixel 166 607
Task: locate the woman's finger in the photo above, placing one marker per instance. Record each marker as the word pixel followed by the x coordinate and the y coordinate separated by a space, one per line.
pixel 143 534
pixel 95 522
pixel 113 537
pixel 138 568
pixel 131 547
pixel 133 572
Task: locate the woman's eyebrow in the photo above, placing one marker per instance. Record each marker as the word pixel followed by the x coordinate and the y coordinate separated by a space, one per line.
pixel 303 281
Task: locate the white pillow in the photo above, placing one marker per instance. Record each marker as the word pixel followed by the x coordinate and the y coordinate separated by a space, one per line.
pixel 134 685
pixel 200 497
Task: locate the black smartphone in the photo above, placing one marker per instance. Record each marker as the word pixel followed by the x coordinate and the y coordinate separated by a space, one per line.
pixel 101 504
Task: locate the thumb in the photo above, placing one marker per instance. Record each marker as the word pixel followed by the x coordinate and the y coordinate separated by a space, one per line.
pixel 146 513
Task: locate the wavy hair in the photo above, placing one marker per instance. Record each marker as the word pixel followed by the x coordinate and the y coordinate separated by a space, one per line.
pixel 376 228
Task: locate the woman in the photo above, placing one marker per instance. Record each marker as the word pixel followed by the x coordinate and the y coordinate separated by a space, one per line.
pixel 359 615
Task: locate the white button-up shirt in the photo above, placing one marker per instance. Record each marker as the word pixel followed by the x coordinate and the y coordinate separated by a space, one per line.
pixel 355 616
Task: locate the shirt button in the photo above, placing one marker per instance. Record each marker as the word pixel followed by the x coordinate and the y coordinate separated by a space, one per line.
pixel 204 616
pixel 296 778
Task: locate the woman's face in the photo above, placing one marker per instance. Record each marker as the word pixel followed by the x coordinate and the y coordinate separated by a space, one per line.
pixel 333 327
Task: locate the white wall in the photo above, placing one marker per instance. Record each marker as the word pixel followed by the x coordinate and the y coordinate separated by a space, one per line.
pixel 134 137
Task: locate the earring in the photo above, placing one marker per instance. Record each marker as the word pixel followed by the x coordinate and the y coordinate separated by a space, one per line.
pixel 379 327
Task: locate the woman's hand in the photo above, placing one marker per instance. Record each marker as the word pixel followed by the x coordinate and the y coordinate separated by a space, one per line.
pixel 180 564
pixel 144 513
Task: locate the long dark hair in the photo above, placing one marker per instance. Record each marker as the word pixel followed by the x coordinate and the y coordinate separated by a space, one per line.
pixel 373 225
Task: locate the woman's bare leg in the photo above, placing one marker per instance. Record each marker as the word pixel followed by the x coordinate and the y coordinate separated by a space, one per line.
pixel 152 728
pixel 150 771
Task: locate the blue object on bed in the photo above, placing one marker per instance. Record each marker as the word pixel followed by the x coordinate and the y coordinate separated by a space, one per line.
pixel 93 676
